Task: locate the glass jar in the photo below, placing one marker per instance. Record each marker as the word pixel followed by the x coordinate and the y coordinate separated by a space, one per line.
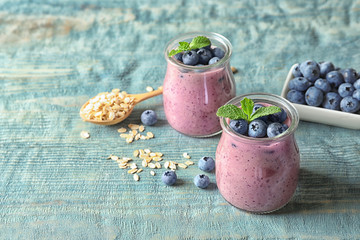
pixel 192 94
pixel 258 175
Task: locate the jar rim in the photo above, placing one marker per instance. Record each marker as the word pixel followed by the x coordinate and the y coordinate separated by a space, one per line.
pixel 212 36
pixel 264 98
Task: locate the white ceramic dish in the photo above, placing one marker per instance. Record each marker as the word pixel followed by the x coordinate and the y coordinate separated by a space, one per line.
pixel 323 115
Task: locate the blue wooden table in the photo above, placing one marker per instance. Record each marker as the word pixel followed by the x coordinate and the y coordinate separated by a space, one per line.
pixel 55 55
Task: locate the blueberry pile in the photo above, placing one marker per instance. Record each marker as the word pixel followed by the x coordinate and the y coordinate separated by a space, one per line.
pixel 199 57
pixel 266 126
pixel 323 85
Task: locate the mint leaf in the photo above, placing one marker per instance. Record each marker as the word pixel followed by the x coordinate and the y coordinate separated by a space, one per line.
pixel 199 42
pixel 264 111
pixel 231 111
pixel 247 105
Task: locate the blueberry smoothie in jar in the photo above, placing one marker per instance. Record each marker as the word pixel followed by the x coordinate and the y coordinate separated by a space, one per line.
pixel 258 174
pixel 197 83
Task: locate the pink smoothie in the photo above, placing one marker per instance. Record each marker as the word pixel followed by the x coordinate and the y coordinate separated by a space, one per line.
pixel 257 176
pixel 192 97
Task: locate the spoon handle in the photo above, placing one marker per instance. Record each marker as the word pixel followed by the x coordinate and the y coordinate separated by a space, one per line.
pixel 143 96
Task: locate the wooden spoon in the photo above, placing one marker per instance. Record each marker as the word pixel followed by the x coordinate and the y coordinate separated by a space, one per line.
pixel 137 98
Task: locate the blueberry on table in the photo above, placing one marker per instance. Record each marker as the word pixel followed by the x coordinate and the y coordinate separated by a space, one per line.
pixel 278 117
pixel 332 101
pixel 349 104
pixel 296 71
pixel 296 97
pixel 201 181
pixel 346 89
pixel 299 84
pixel 357 84
pixel 239 126
pixel 356 94
pixel 206 164
pixel 213 60
pixel 204 55
pixel 325 68
pixel 350 75
pixel 314 96
pixel 218 52
pixel 169 178
pixel 323 85
pixel 275 129
pixel 257 128
pixel 190 58
pixel 335 78
pixel 148 117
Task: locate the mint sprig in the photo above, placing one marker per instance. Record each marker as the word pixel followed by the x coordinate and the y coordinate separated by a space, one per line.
pixel 246 111
pixel 197 42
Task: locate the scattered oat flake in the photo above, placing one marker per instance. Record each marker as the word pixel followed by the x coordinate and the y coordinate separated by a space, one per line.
pixel 144 163
pixel 147 151
pixel 85 134
pixel 136 153
pixel 150 134
pixel 186 155
pixel 234 70
pixel 157 159
pixel 151 165
pixel 136 177
pixel 149 89
pixel 141 128
pixel 152 173
pixel 159 154
pixel 139 170
pixel 122 130
pixel 189 162
pixel 166 164
pixel 133 165
pixel 133 126
pixel 157 165
pixel 131 171
pixel 182 165
pixel 115 158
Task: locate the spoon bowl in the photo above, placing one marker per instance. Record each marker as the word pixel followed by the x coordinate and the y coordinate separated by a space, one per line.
pixel 137 99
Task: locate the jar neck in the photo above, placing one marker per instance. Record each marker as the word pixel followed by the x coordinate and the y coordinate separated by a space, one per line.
pixel 216 40
pixel 266 98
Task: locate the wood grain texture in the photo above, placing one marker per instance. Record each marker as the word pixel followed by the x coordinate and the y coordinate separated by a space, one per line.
pixel 56 185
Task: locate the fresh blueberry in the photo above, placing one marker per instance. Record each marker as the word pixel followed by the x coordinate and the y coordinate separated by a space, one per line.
pixel 256 107
pixel 296 71
pixel 275 129
pixel 335 78
pixel 149 117
pixel 349 104
pixel 325 68
pixel 350 75
pixel 296 97
pixel 310 70
pixel 206 164
pixel 218 52
pixel 257 128
pixel 323 85
pixel 308 63
pixel 179 56
pixel 239 126
pixel 356 94
pixel 202 181
pixel 190 58
pixel 204 55
pixel 299 84
pixel 332 101
pixel 169 178
pixel 278 117
pixel 346 89
pixel 357 84
pixel 214 60
pixel 314 96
